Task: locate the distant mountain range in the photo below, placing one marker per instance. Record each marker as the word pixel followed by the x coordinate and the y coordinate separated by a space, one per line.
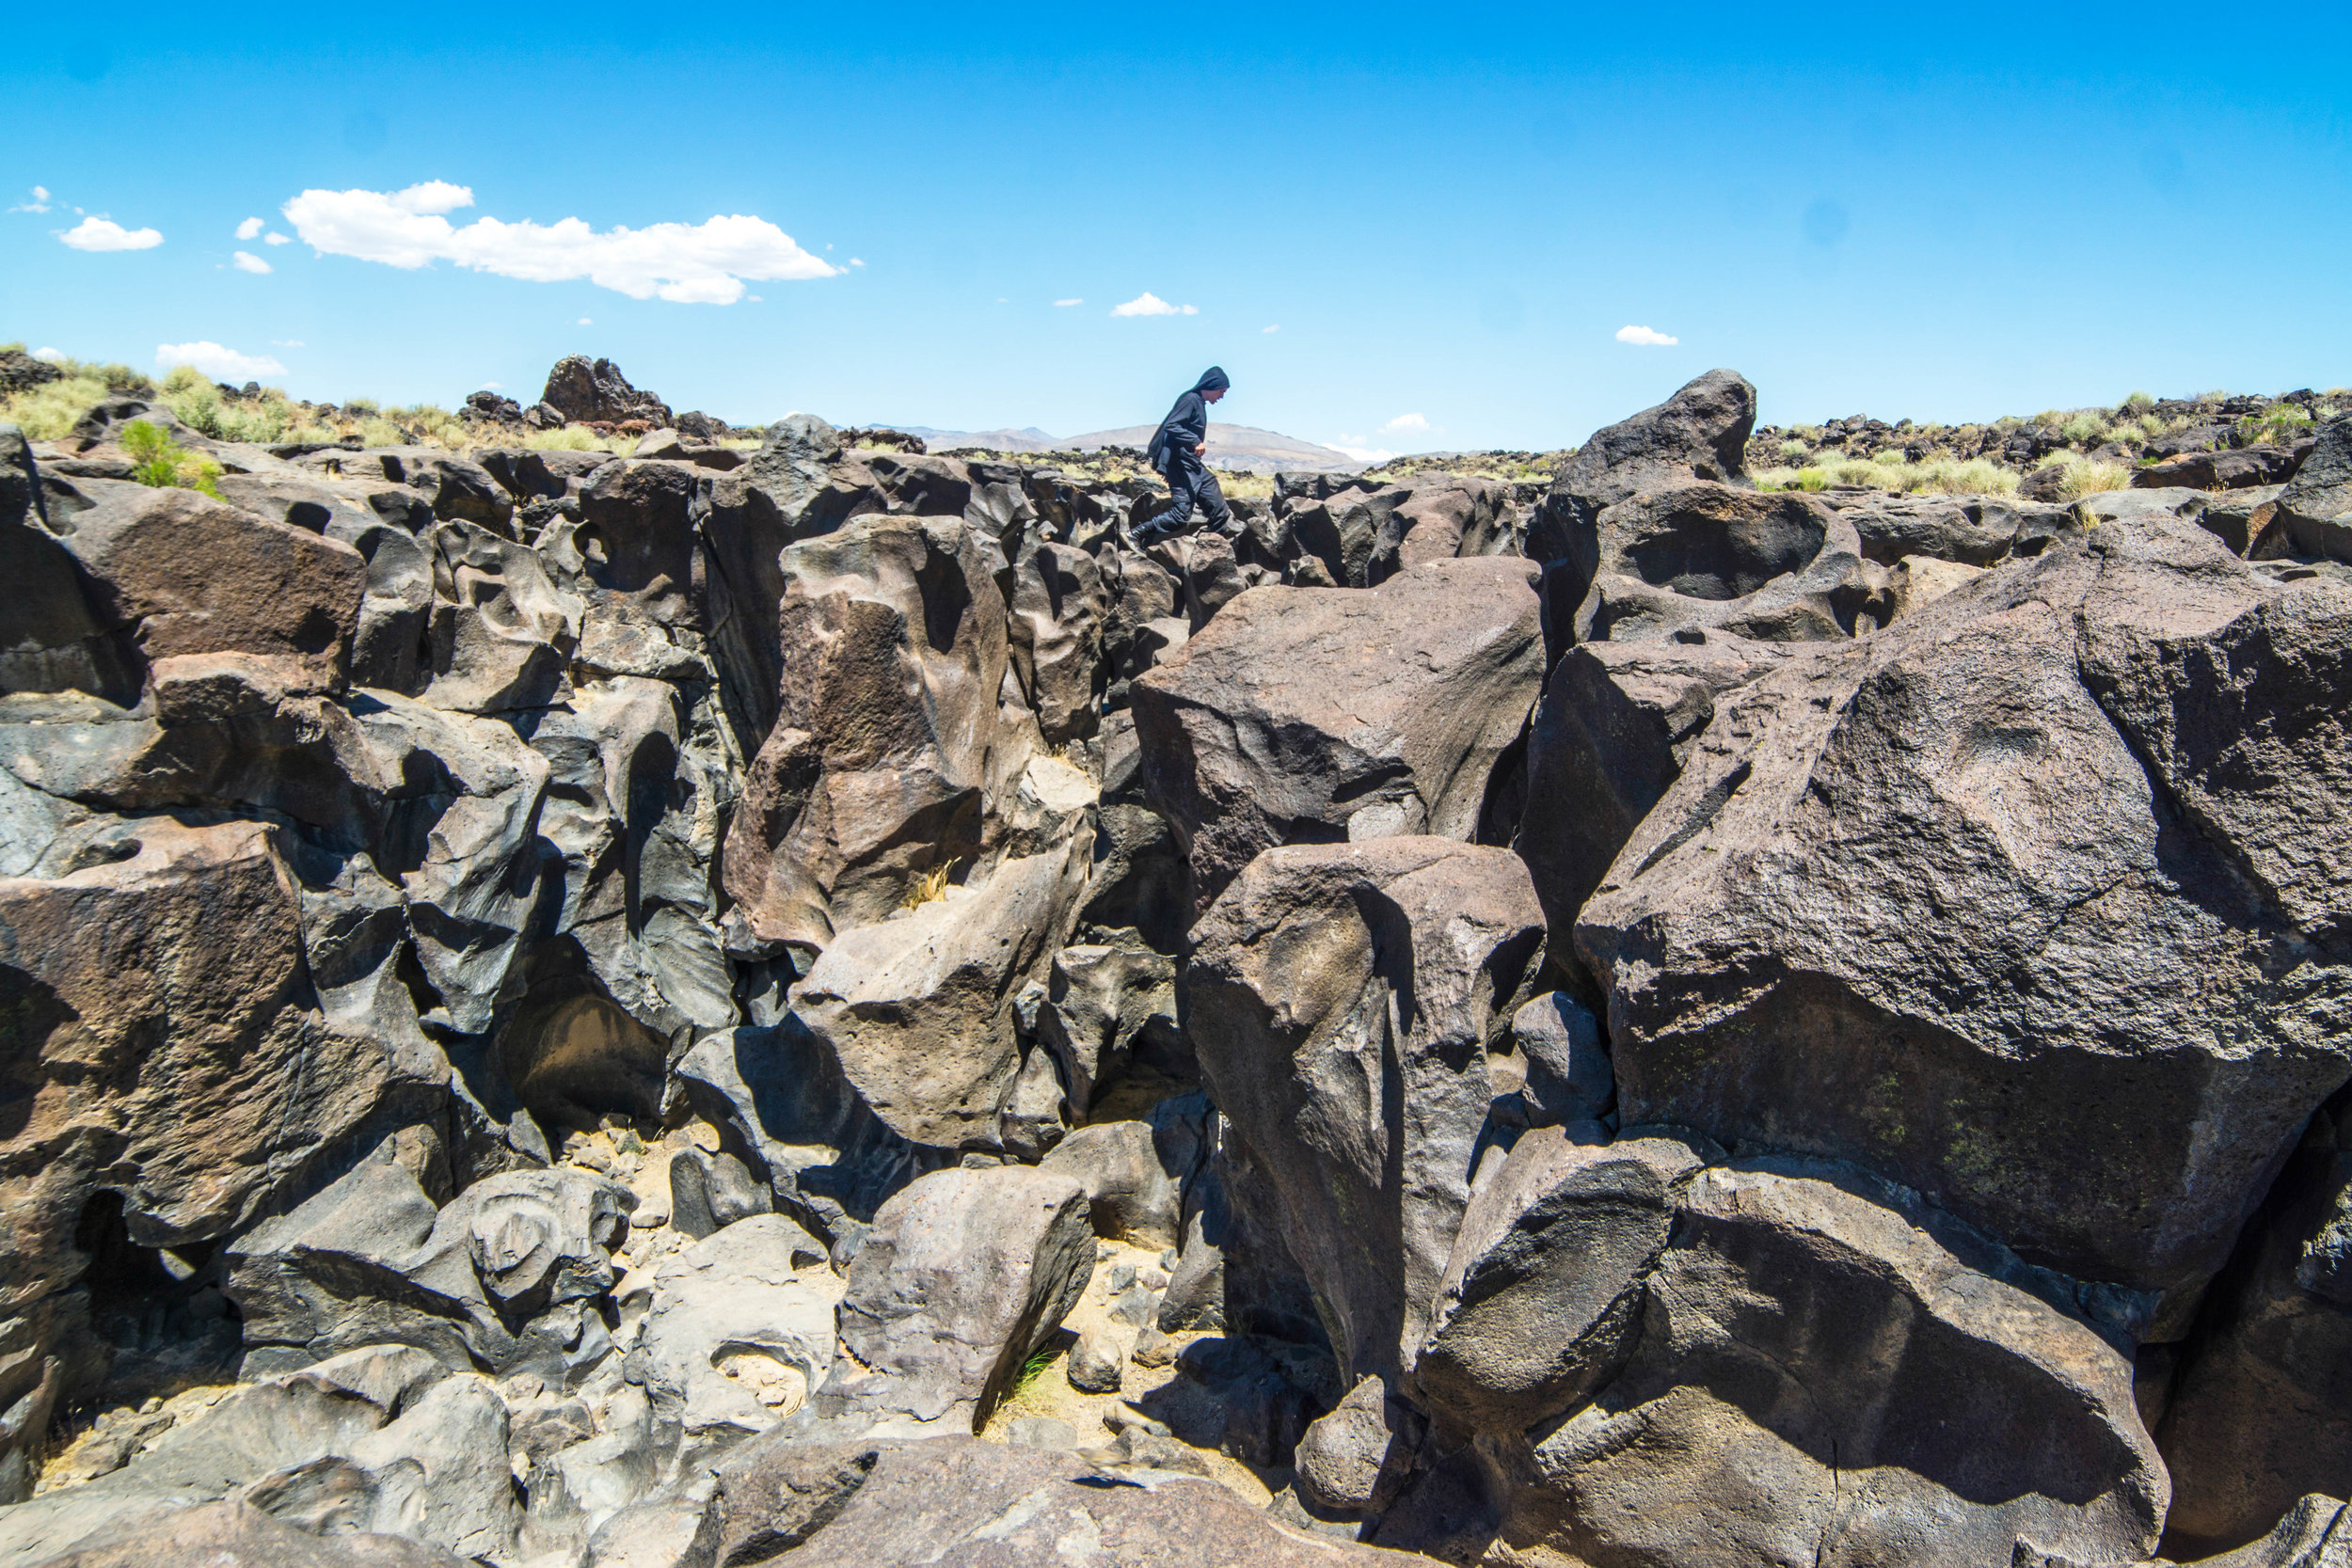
pixel 1230 446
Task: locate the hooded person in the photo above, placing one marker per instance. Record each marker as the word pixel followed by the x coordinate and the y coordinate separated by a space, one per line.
pixel 1176 452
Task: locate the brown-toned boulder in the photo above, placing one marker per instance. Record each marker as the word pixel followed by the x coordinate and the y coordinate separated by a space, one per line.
pixel 891 745
pixel 1342 1001
pixel 1925 901
pixel 1316 714
pixel 1771 565
pixel 1701 433
pixel 188 575
pixel 1609 738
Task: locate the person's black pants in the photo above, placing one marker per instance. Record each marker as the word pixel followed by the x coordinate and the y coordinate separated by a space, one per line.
pixel 1191 484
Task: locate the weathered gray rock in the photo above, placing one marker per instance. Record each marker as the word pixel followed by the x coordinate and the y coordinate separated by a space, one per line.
pixel 237 1535
pixel 919 1011
pixel 1825 1372
pixel 797 485
pixel 1130 1198
pixel 735 1336
pixel 961 1503
pixel 167 1048
pixel 1542 1297
pixel 1564 1066
pixel 1438 521
pixel 1101 1003
pixel 280 1427
pixel 1058 608
pixel 498 640
pixel 366 1260
pixel 1354 1460
pixel 52 639
pixel 1312 713
pixel 964 1273
pixel 1343 997
pixel 1924 903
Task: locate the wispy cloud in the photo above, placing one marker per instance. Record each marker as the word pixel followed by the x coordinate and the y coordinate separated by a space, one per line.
pixel 1152 305
pixel 38 204
pixel 1065 304
pixel 1407 422
pixel 274 237
pixel 1353 447
pixel 244 261
pixel 700 264
pixel 585 322
pixel 1646 337
pixel 106 234
pixel 221 364
pixel 1269 329
pixel 285 342
pixel 249 228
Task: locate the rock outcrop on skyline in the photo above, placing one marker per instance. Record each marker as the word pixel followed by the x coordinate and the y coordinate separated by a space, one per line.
pixel 806 1000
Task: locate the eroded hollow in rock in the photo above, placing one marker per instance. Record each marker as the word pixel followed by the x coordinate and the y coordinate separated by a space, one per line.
pixel 1706 550
pixel 575 1058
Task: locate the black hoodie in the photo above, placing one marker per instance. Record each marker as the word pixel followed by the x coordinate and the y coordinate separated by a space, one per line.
pixel 1188 423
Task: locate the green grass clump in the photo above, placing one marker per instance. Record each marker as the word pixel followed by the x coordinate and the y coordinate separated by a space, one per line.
pixel 2282 423
pixel 165 464
pixel 2085 427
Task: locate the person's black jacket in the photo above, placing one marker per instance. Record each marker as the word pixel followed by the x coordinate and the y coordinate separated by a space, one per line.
pixel 1188 423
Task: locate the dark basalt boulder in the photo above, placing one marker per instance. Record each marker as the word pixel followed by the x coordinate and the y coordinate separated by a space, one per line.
pixel 1924 902
pixel 587 391
pixel 1316 714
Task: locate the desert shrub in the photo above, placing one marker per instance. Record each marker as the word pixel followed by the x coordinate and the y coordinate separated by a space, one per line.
pixel 2139 403
pixel 2086 476
pixel 2085 427
pixel 2282 422
pixel 158 460
pixel 49 410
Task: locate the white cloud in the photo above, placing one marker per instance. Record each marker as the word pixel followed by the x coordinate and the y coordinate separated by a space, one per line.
pixel 53 356
pixel 703 264
pixel 221 364
pixel 1270 329
pixel 244 261
pixel 1065 304
pixel 585 322
pixel 1152 305
pixel 285 342
pixel 1353 447
pixel 1644 336
pixel 106 234
pixel 274 237
pixel 249 228
pixel 856 261
pixel 1406 421
pixel 493 385
pixel 38 204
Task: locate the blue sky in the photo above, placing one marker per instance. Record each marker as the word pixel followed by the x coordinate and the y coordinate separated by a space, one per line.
pixel 1449 213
